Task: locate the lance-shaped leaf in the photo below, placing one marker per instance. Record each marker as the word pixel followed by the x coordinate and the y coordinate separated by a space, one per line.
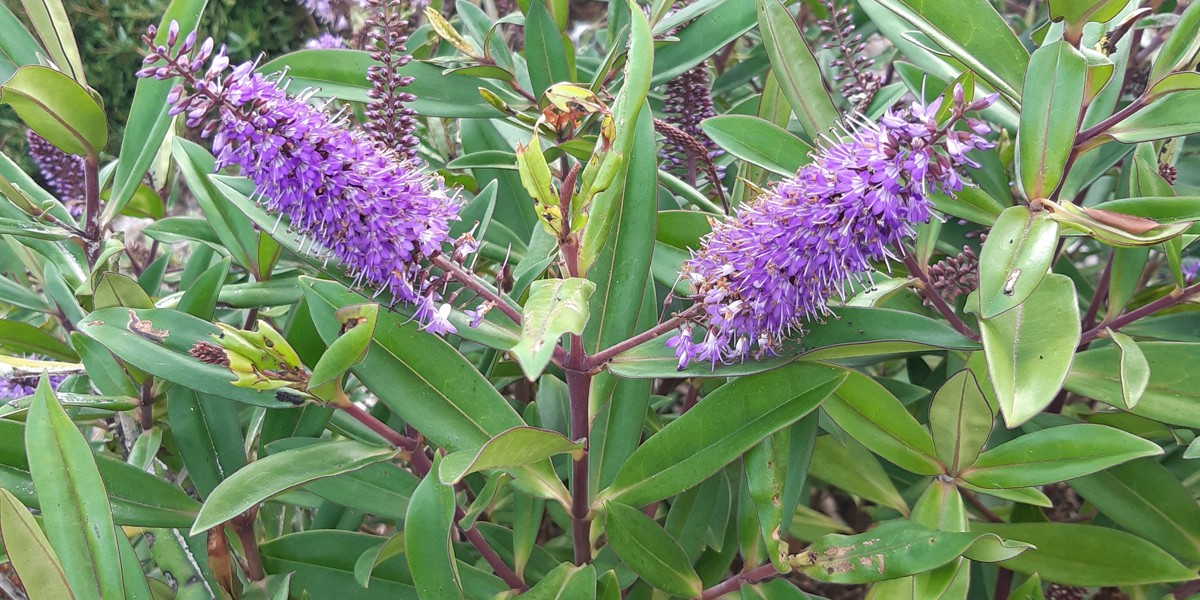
pixel 1029 348
pixel 1116 229
pixel 517 447
pixel 1050 107
pixel 1166 117
pixel 759 142
pixel 1056 454
pixel 896 549
pixel 358 326
pixel 382 489
pixel 30 553
pixel 725 424
pixel 49 19
pixel 877 419
pixel 650 551
pixel 853 469
pixel 766 468
pixel 975 34
pixel 555 307
pixel 1087 555
pixel 1076 13
pixel 57 108
pixel 1182 46
pixel 565 581
pixel 960 419
pixel 277 473
pixel 1015 258
pixel 367 561
pixel 796 67
pixel 1172 394
pixel 74 504
pixel 427 540
pixel 1135 371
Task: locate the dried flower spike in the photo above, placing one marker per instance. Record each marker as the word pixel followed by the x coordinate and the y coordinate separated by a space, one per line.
pixel 350 198
pixel 777 263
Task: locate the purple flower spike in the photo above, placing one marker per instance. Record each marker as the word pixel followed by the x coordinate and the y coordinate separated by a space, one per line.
pixel 352 199
pixel 776 264
pixel 325 41
pixel 61 171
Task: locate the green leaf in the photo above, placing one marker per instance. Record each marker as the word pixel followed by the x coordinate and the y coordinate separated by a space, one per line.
pixel 1029 349
pixel 1170 396
pixel 342 74
pixel 650 551
pixel 50 21
pixel 727 423
pixel 545 53
pixel 200 299
pixel 1146 498
pixel 794 64
pixel 30 553
pixel 891 550
pixel 857 331
pixel 277 473
pixel 148 120
pixel 517 447
pixel 157 341
pixel 555 307
pixel 1030 590
pixel 235 232
pixel 1051 104
pixel 19 337
pixel 323 562
pixel 852 468
pixel 427 539
pixel 702 38
pixel 1181 46
pixel 1087 555
pixel 369 560
pixel 1056 454
pixel 73 501
pixel 382 489
pixel 357 323
pixel 57 108
pixel 961 419
pixel 759 142
pixel 565 581
pixel 1078 12
pixel 16 43
pixel 1015 258
pixel 1164 118
pixel 1135 371
pixel 766 466
pixel 877 419
pixel 208 436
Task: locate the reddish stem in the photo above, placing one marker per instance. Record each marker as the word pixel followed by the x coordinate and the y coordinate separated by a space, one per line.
pixel 736 582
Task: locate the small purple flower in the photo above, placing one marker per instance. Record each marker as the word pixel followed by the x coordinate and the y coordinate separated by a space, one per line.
pixel 334 13
pixel 352 199
pixel 325 41
pixel 1191 269
pixel 19 387
pixel 61 171
pixel 778 262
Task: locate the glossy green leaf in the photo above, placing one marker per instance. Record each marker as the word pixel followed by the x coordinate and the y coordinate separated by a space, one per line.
pixel 342 74
pixel 794 64
pixel 725 424
pixel 857 331
pixel 1078 12
pixel 702 38
pixel 1166 117
pixel 565 581
pixel 1135 371
pixel 555 307
pixel 57 108
pixel 759 142
pixel 877 419
pixel 51 24
pixel 974 34
pixel 890 550
pixel 157 341
pixel 30 553
pixel 544 50
pixel 1051 103
pixel 232 228
pixel 365 566
pixel 960 418
pixel 1015 258
pixel 650 551
pixel 382 489
pixel 1087 555
pixel 427 540
pixel 208 435
pixel 148 120
pixel 323 562
pixel 1029 349
pixel 1145 498
pixel 1181 46
pixel 1170 396
pixel 1056 454
pixel 357 323
pixel 852 468
pixel 766 466
pixel 19 337
pixel 517 447
pixel 277 473
pixel 73 501
pixel 16 42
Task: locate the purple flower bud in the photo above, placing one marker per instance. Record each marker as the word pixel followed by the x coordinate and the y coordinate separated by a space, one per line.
pixel 172 33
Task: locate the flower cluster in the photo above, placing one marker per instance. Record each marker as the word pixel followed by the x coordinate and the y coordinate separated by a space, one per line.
pixel 855 79
pixel 388 119
pixel 350 198
pixel 953 276
pixel 19 387
pixel 777 263
pixel 61 171
pixel 325 41
pixel 688 102
pixel 334 13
